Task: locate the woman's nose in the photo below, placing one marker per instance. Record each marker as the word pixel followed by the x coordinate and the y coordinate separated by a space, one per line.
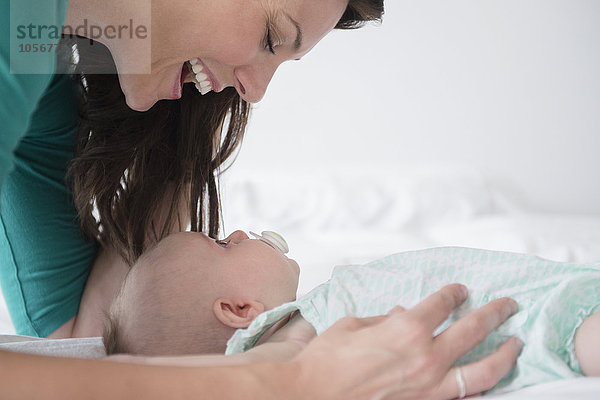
pixel 236 237
pixel 254 80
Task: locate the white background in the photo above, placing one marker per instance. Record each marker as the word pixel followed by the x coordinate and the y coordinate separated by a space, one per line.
pixel 510 88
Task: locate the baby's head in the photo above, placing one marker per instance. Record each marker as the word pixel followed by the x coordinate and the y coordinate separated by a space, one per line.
pixel 189 293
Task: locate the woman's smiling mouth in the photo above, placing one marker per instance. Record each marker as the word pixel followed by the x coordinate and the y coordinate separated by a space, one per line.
pixel 200 75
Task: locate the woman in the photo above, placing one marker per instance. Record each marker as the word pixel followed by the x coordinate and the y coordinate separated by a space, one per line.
pixel 147 173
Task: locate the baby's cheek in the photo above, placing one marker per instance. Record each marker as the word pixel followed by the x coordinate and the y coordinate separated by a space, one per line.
pixel 292 290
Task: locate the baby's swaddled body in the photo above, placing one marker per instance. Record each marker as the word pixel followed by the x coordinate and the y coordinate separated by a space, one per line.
pixel 554 299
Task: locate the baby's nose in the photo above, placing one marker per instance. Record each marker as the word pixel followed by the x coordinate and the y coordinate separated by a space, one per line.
pixel 237 236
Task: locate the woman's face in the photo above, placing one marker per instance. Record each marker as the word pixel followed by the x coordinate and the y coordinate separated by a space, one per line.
pixel 238 43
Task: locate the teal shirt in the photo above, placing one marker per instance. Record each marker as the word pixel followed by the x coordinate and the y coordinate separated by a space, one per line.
pixel 20 93
pixel 44 262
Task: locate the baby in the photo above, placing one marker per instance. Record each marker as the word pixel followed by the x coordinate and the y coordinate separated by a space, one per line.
pixel 191 294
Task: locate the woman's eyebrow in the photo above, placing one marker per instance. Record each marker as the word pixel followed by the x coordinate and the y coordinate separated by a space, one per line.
pixel 298 41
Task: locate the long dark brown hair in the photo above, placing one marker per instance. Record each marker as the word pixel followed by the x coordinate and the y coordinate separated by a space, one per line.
pixel 139 169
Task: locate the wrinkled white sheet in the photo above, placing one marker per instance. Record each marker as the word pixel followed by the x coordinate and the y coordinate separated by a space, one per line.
pixel 568 389
pixel 354 215
pixel 78 347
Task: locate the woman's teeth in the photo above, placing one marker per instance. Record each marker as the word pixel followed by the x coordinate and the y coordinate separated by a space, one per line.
pixel 202 82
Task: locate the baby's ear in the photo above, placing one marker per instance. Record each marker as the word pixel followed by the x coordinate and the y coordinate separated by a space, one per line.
pixel 237 314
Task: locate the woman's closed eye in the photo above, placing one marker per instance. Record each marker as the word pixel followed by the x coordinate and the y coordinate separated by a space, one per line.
pixel 271 40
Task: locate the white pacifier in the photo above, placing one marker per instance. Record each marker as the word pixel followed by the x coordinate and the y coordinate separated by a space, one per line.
pixel 272 239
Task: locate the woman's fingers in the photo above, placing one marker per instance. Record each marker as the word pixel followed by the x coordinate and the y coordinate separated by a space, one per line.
pixel 483 374
pixel 396 356
pixel 396 310
pixel 435 309
pixel 472 329
pixel 354 323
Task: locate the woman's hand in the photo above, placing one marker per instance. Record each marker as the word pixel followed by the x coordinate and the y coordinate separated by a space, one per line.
pixel 396 356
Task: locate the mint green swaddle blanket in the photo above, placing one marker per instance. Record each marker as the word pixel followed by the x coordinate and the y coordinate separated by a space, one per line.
pixel 554 299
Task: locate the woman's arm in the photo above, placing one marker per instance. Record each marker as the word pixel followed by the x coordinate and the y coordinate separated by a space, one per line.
pixel 24 376
pixel 391 356
pixel 285 344
pixel 107 274
pixel 105 279
pixel 268 352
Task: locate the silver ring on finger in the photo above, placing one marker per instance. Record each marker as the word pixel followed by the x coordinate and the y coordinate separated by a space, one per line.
pixel 460 381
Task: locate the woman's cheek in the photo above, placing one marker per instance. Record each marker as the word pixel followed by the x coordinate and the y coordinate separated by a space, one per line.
pixel 237 52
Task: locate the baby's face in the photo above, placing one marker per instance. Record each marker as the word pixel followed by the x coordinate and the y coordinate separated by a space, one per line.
pixel 246 265
pixel 254 262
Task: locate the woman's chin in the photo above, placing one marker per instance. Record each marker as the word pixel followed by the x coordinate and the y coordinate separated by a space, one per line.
pixel 138 93
pixel 140 104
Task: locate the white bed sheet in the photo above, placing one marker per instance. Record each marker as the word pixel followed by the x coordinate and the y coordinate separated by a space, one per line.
pixel 351 215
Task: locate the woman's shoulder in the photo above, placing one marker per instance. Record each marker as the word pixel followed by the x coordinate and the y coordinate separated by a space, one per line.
pixel 28 39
